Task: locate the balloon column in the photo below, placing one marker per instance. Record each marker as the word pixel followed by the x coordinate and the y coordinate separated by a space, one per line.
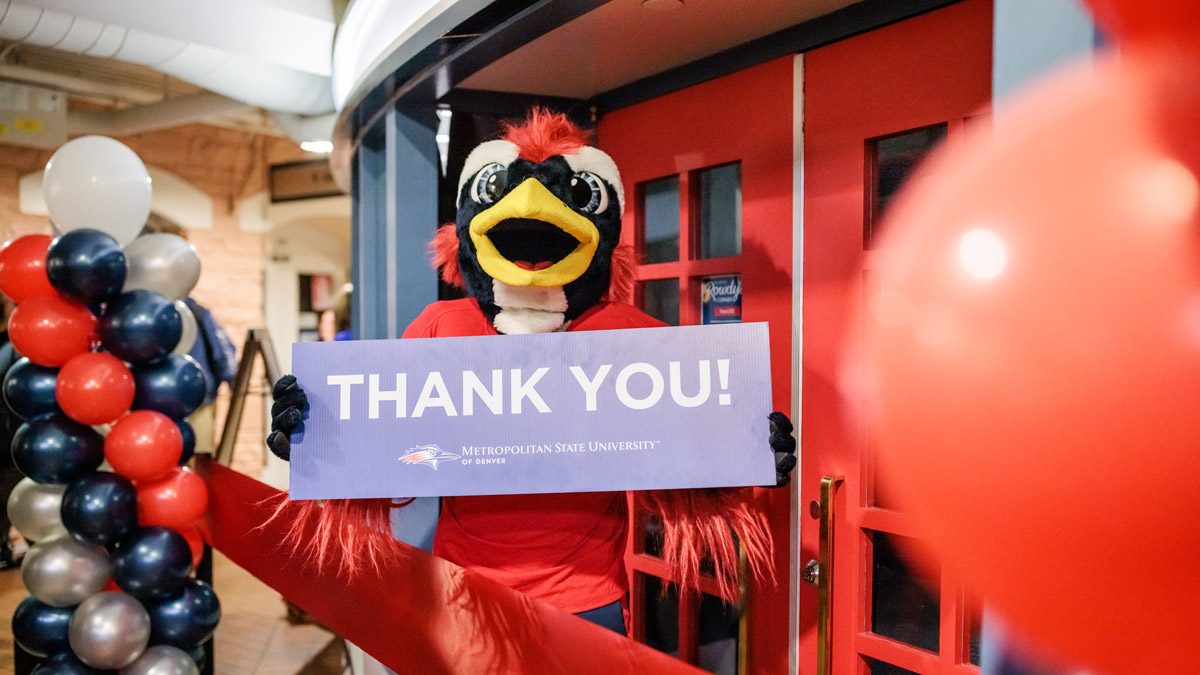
pixel 103 375
pixel 1034 349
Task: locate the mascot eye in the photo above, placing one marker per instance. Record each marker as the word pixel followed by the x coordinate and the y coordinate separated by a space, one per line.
pixel 489 184
pixel 588 193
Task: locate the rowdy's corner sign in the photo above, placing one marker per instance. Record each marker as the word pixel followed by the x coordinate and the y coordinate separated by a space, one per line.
pixel 650 408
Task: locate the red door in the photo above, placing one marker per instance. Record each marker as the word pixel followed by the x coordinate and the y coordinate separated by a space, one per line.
pixel 873 104
pixel 710 168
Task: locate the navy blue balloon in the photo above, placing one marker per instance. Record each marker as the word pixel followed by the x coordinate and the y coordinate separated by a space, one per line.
pixel 173 386
pixel 66 663
pixel 152 563
pixel 54 448
pixel 39 628
pixel 140 326
pixel 29 389
pixel 189 441
pixel 100 509
pixel 86 265
pixel 200 655
pixel 186 619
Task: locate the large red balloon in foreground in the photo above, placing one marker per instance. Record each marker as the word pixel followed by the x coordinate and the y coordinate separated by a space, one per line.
pixel 1034 364
pixel 1150 21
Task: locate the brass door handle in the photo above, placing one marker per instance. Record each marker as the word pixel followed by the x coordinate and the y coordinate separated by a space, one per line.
pixel 819 572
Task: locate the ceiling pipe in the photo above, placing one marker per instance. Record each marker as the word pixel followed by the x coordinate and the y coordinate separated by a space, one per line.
pixel 253 81
pixel 81 86
pixel 301 128
pixel 172 112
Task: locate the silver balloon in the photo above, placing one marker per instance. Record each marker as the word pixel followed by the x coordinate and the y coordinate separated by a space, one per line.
pixel 63 572
pixel 188 337
pixel 162 262
pixel 33 508
pixel 109 630
pixel 162 660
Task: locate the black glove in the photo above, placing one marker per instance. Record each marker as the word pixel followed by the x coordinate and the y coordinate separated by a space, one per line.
pixel 286 414
pixel 784 445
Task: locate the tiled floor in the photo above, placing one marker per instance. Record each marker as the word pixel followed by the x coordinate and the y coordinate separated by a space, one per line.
pixel 253 638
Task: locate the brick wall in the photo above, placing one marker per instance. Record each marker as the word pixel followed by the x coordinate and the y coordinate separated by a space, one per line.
pixel 227 165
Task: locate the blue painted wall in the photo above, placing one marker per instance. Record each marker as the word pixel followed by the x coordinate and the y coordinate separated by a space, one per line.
pixel 1033 36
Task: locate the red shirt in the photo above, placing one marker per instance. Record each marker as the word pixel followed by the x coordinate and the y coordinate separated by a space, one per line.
pixel 565 549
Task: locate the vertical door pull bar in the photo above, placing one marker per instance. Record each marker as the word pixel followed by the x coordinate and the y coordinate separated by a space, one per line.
pixel 819 572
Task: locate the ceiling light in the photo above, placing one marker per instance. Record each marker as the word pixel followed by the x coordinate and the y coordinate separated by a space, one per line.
pixel 321 147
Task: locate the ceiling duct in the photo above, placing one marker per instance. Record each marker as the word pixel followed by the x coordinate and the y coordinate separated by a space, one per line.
pixel 252 80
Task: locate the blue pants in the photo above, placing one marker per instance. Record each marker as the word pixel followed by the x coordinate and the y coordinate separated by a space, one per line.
pixel 611 617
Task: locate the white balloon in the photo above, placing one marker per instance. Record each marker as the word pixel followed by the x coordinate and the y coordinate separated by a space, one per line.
pixel 98 183
pixel 188 337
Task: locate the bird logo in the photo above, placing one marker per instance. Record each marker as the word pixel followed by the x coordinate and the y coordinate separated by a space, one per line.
pixel 427 455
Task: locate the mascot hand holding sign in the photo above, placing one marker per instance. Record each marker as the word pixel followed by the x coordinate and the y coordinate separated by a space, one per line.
pixel 536 247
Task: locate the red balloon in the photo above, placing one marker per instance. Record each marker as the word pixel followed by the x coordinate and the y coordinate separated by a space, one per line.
pixel 95 389
pixel 1139 21
pixel 23 267
pixel 143 446
pixel 176 501
pixel 1033 358
pixel 51 330
pixel 195 542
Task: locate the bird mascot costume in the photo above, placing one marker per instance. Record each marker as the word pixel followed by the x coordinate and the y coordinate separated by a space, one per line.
pixel 536 246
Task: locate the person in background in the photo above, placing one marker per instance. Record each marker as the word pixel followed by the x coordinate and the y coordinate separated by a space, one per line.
pixel 12 545
pixel 217 356
pixel 334 322
pixel 213 351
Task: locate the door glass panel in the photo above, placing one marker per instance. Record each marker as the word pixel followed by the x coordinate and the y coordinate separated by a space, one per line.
pixel 660 220
pixel 661 614
pixel 652 536
pixel 904 601
pixel 893 158
pixel 660 299
pixel 975 630
pixel 876 667
pixel 718 635
pixel 721 211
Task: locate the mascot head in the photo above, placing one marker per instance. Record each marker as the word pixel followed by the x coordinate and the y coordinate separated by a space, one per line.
pixel 539 220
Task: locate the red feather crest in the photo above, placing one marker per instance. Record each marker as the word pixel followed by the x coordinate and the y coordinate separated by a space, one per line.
pixel 544 134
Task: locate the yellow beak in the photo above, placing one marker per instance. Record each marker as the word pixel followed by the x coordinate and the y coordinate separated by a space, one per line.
pixel 533 201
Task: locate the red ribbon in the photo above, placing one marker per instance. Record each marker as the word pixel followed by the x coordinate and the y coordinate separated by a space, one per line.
pixel 422 614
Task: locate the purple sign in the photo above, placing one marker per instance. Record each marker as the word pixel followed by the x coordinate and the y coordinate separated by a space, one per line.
pixel 649 408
